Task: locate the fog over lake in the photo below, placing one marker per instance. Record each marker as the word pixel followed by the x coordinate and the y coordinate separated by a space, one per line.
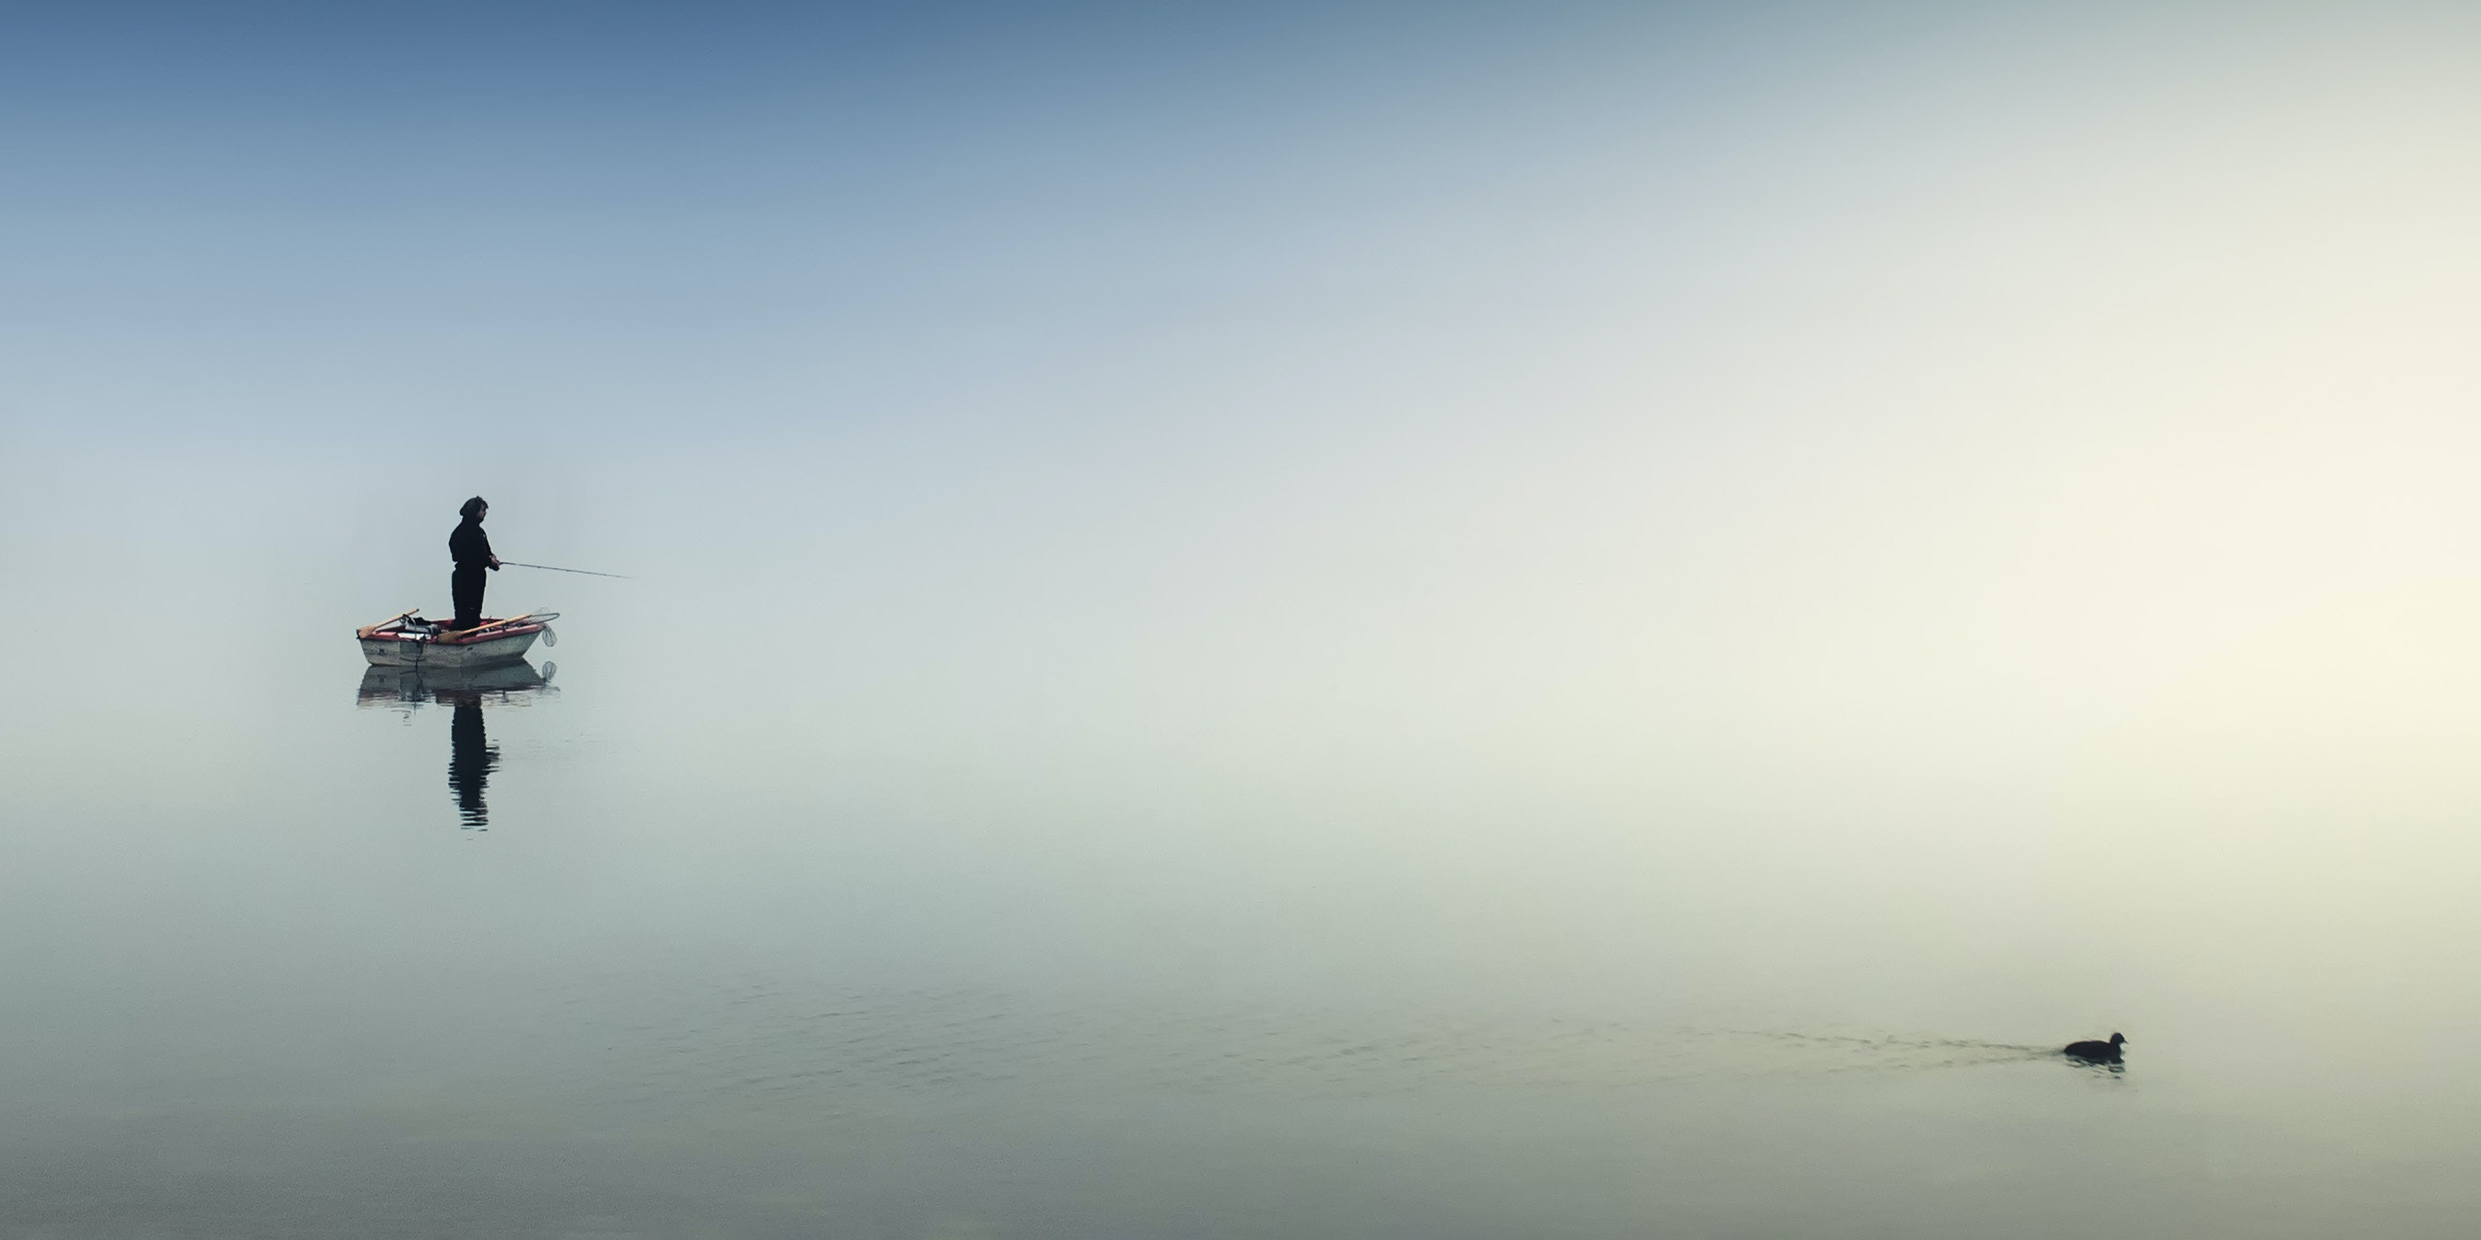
pixel 1585 624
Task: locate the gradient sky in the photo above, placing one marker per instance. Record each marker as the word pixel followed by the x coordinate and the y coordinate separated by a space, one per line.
pixel 1912 387
pixel 668 223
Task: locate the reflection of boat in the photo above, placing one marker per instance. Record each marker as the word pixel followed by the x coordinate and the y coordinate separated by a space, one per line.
pixel 412 685
pixel 472 758
pixel 408 640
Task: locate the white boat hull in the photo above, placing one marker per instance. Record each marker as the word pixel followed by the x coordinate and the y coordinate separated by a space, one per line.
pixel 408 640
pixel 385 652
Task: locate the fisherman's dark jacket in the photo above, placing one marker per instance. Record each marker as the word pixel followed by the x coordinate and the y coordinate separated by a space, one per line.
pixel 469 546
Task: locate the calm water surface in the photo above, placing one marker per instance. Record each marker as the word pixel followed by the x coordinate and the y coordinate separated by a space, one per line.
pixel 860 942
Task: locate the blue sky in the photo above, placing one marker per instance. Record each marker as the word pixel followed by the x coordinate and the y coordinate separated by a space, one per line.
pixel 783 213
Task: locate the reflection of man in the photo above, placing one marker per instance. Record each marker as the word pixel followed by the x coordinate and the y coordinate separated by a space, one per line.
pixel 471 549
pixel 470 757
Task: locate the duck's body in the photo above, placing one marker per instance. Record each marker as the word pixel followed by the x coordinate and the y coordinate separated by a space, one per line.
pixel 2097 1052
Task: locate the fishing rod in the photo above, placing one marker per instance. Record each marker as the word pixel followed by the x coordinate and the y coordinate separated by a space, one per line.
pixel 556 569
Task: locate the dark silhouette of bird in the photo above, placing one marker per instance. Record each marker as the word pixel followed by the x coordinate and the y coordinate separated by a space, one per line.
pixel 2097 1052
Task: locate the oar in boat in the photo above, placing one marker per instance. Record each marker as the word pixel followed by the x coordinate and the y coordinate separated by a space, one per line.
pixel 464 635
pixel 368 629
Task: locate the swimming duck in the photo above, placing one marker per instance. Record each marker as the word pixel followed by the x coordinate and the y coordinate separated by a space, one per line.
pixel 2097 1052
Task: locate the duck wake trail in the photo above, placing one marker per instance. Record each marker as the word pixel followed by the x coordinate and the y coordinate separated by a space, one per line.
pixel 762 1042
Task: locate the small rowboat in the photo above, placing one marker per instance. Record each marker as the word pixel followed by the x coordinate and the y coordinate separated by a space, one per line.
pixel 408 640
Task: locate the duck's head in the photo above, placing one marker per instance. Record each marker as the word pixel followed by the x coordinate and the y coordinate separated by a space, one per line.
pixel 2118 1038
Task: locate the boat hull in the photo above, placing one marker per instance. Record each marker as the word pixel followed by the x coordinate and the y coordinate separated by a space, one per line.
pixel 389 652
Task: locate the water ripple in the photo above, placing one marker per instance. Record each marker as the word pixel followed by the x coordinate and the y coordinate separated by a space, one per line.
pixel 751 1042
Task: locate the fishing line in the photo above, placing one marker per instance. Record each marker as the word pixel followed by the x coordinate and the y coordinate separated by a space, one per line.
pixel 556 569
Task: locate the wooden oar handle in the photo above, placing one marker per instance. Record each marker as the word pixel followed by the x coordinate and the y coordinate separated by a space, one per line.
pixel 494 624
pixel 368 629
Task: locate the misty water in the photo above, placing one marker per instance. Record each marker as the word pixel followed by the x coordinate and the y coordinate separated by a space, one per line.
pixel 1547 621
pixel 1105 881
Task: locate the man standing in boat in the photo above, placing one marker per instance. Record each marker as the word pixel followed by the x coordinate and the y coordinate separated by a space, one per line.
pixel 471 549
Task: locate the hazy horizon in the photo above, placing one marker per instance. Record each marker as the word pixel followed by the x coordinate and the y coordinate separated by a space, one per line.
pixel 1905 517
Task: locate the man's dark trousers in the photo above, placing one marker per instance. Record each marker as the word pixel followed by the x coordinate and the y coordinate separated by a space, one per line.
pixel 465 585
